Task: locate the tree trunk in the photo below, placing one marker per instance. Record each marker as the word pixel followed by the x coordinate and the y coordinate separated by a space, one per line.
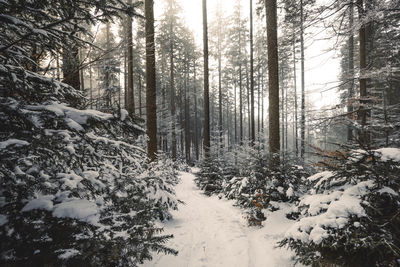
pixel 172 91
pixel 303 101
pixel 140 94
pixel 252 122
pixel 364 136
pixel 351 71
pixel 196 127
pixel 296 137
pixel 234 104
pixel 273 67
pixel 151 101
pixel 219 75
pixel 206 85
pixel 130 104
pixel 187 116
pixel 70 66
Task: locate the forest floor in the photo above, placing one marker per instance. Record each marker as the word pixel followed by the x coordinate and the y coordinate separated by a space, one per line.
pixel 211 232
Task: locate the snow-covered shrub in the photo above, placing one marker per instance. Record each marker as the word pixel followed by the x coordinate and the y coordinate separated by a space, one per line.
pixel 253 173
pixel 75 189
pixel 210 178
pixel 351 216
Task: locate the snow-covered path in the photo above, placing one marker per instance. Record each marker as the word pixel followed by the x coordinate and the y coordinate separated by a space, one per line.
pixel 211 232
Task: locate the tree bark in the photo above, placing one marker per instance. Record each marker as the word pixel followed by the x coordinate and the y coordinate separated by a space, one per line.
pixel 196 127
pixel 172 90
pixel 187 116
pixel 296 136
pixel 351 71
pixel 219 75
pixel 273 67
pixel 252 122
pixel 303 101
pixel 130 104
pixel 364 136
pixel 151 100
pixel 206 143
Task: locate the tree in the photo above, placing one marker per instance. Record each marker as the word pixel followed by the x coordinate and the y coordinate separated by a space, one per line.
pixel 273 83
pixel 206 143
pixel 252 121
pixel 303 96
pixel 151 96
pixel 130 99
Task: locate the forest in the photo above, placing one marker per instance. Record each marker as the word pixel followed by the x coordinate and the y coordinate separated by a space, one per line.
pixel 200 133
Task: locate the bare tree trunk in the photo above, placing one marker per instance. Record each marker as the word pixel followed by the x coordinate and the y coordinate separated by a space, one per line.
pixel 151 100
pixel 351 71
pixel 219 75
pixel 181 114
pixel 303 100
pixel 206 84
pixel 70 66
pixel 81 71
pixel 172 91
pixel 296 137
pixel 187 116
pixel 107 77
pixel 130 103
pixel 364 136
pixel 196 127
pixel 234 104
pixel 262 100
pixel 252 122
pixel 140 94
pixel 248 100
pixel 240 83
pixel 259 98
pixel 90 86
pixel 282 112
pixel 273 67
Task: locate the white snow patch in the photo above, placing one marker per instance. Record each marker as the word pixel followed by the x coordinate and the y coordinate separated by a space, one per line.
pixel 81 209
pixel 12 141
pixel 69 180
pixel 321 176
pixel 68 253
pixel 73 125
pixel 209 231
pixel 329 211
pixel 41 203
pixel 124 114
pixel 3 219
pixel 389 153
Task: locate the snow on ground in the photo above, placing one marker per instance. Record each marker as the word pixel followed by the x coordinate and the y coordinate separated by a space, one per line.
pixel 211 232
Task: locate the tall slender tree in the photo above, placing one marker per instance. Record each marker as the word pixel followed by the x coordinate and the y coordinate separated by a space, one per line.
pixel 130 103
pixel 252 122
pixel 151 101
pixel 206 143
pixel 303 96
pixel 273 74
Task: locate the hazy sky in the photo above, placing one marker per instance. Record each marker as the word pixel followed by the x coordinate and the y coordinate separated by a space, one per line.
pixel 321 67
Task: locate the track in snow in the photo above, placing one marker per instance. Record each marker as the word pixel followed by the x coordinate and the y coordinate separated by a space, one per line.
pixel 211 232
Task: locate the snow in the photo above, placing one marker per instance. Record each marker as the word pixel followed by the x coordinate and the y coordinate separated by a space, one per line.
pixel 67 253
pixel 15 142
pixel 389 153
pixel 81 209
pixel 321 176
pixel 209 231
pixel 3 219
pixel 73 125
pixel 41 203
pixel 329 211
pixel 124 114
pixel 69 180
